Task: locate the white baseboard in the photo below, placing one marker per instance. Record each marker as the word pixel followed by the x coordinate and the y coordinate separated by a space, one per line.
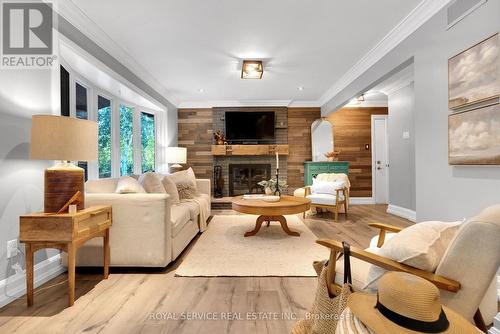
pixel 361 200
pixel 14 286
pixel 402 212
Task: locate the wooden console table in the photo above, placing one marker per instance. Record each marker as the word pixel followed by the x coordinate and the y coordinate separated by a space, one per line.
pixel 65 232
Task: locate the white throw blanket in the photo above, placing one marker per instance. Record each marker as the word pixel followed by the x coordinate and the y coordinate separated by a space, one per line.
pixel 204 211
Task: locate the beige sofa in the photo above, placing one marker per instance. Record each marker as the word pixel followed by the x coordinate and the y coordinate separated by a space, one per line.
pixel 148 230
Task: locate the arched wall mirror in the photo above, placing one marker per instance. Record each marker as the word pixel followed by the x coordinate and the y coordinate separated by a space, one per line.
pixel 321 139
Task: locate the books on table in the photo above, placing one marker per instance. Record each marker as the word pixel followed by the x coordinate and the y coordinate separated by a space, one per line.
pixel 253 196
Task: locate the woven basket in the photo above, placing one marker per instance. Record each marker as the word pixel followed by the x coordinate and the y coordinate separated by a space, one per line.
pixel 326 310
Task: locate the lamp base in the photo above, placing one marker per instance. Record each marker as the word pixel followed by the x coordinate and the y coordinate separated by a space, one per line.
pixel 61 184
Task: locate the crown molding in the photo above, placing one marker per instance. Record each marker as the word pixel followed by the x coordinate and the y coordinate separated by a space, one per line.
pixel 367 104
pixel 74 15
pixel 415 19
pixel 397 86
pixel 248 103
pixel 304 104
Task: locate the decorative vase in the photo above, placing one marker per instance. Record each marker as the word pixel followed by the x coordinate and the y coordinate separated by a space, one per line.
pixel 269 191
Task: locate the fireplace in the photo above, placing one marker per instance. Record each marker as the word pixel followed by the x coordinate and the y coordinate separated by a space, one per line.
pixel 244 178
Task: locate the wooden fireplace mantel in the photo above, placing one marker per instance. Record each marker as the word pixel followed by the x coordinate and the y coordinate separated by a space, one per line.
pixel 222 150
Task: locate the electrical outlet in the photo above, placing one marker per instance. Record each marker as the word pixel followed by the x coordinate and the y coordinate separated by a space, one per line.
pixel 11 248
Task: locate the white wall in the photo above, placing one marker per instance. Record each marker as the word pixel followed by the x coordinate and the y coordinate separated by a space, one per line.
pixel 22 94
pixel 402 150
pixel 442 191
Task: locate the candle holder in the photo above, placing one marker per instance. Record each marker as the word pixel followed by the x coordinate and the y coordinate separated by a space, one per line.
pixel 277 192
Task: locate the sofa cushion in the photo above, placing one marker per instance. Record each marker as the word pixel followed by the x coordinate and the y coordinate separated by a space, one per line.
pixel 129 185
pixel 334 177
pixel 193 207
pixel 179 215
pixel 326 187
pixel 421 246
pixel 171 189
pixel 323 199
pixel 151 183
pixel 101 186
pixel 185 180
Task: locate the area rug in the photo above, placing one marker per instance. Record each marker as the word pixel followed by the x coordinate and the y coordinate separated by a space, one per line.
pixel 222 250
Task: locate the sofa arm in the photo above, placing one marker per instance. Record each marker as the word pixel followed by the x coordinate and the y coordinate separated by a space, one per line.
pixel 141 232
pixel 204 186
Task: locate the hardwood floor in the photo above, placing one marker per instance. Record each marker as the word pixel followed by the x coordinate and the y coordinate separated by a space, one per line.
pixel 155 301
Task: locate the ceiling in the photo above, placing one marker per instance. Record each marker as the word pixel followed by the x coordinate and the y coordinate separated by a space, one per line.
pixel 378 95
pixel 193 49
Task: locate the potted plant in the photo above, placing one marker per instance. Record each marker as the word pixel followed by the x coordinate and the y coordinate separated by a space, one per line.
pixel 332 156
pixel 270 186
pixel 220 138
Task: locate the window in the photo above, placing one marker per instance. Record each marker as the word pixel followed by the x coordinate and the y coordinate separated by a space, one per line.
pixel 148 139
pixel 104 138
pixel 82 113
pixel 81 102
pixel 64 91
pixel 126 140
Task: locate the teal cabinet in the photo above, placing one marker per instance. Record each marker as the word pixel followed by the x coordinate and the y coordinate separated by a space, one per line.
pixel 311 169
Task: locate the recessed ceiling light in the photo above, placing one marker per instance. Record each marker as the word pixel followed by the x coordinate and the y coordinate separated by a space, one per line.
pixel 300 88
pixel 252 69
pixel 201 90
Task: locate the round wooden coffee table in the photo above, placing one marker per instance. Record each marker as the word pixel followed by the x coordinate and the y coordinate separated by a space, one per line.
pixel 271 211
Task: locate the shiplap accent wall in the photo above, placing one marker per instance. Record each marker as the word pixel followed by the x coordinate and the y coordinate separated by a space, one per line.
pixel 195 133
pixel 299 141
pixel 352 131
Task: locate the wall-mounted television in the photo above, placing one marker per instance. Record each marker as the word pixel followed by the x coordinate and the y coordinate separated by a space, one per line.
pixel 250 127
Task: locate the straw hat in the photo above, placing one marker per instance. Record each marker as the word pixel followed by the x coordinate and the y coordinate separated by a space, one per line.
pixel 406 304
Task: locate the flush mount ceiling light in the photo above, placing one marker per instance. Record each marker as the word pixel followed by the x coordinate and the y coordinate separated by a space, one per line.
pixel 252 69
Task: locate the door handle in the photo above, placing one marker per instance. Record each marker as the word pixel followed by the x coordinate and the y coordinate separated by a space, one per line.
pixel 379 168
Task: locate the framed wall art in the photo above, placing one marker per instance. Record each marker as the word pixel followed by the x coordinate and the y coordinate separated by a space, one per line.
pixel 474 74
pixel 474 137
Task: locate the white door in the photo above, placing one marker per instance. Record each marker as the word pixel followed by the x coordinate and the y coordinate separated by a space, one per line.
pixel 380 161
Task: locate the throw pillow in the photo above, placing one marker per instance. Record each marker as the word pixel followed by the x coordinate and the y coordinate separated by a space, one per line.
pixel 171 189
pixel 151 183
pixel 185 181
pixel 326 187
pixel 421 246
pixel 129 185
pixel 186 190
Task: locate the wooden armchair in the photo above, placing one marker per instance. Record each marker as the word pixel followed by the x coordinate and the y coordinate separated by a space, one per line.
pixel 327 201
pixel 464 275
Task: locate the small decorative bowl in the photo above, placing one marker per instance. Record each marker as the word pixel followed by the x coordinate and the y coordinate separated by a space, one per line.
pixel 271 198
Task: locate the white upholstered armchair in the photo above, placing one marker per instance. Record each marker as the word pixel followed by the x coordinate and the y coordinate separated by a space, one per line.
pixel 466 273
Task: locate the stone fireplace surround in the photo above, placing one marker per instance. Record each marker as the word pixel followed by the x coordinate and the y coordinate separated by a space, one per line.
pixel 281 133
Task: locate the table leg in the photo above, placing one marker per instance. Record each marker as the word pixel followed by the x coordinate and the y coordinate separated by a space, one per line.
pixel 106 253
pixel 29 273
pixel 71 273
pixel 258 224
pixel 285 227
pixel 281 219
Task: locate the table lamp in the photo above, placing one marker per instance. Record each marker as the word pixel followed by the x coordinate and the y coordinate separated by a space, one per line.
pixel 176 156
pixel 65 139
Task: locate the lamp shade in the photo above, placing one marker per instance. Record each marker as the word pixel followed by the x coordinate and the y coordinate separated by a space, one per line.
pixel 63 138
pixel 176 155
